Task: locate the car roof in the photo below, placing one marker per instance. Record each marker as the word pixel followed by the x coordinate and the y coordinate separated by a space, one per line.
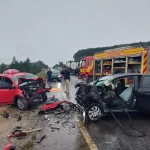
pixel 120 75
pixel 14 74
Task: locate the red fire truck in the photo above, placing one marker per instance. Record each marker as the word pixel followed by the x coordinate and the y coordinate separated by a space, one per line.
pixel 88 65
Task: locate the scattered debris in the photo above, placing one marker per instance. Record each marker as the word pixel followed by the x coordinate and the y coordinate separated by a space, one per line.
pixel 82 145
pixel 73 126
pixel 41 139
pixel 65 122
pixel 57 121
pixel 5 114
pixel 19 118
pixel 55 128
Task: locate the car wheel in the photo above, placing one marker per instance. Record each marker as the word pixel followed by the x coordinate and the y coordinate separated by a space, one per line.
pixel 22 103
pixel 94 112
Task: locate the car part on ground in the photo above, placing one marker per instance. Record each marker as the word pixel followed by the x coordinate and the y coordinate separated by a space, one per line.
pixel 18 133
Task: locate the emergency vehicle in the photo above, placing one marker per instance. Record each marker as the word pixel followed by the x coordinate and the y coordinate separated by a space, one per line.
pixel 120 60
pixel 124 60
pixel 89 65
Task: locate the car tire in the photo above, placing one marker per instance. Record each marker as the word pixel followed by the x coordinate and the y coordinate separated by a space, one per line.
pixel 94 112
pixel 22 103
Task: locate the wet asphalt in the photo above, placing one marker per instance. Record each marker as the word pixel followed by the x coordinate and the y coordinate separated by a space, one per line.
pixel 105 133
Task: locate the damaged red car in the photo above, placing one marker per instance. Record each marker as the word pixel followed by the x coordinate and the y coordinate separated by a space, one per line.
pixel 21 89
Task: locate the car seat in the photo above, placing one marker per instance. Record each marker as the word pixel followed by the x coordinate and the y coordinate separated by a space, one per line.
pixel 120 87
pixel 124 99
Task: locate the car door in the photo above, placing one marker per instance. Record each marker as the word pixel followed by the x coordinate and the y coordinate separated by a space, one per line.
pixel 143 94
pixel 7 93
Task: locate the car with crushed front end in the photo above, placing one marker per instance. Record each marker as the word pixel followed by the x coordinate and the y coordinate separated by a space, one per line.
pixel 21 88
pixel 113 93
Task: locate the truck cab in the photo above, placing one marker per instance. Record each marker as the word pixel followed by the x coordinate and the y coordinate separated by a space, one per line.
pixel 87 68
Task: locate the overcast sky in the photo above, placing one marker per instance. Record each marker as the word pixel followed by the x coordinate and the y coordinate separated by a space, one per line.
pixel 53 30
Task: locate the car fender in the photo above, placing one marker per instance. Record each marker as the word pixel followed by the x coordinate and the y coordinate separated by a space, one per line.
pixel 19 93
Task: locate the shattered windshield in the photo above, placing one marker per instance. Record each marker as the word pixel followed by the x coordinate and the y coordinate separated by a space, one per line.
pixel 26 76
pixel 101 81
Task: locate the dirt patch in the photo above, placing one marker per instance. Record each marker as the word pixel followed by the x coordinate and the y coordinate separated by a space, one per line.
pixel 29 120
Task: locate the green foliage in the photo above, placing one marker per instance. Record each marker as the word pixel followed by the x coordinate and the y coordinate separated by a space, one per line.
pixel 90 51
pixel 60 65
pixel 24 66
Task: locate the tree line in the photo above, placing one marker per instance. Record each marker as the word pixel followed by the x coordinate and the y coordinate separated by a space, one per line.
pixel 24 66
pixel 90 51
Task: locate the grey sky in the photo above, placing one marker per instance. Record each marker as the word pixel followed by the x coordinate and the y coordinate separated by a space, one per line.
pixel 53 30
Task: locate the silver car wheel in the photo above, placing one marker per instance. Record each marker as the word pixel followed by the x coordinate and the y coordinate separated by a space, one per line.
pixel 94 113
pixel 20 103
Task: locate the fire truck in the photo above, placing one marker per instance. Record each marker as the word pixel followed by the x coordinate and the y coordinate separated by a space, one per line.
pixel 124 60
pixel 120 60
pixel 88 66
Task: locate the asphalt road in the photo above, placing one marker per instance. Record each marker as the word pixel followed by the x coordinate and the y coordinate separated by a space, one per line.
pixel 106 133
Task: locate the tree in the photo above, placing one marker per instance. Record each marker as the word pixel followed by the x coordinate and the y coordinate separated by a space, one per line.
pixel 90 51
pixel 24 66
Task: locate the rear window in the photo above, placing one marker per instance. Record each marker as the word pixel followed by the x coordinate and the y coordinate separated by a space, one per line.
pixel 56 71
pixel 146 82
pixel 26 76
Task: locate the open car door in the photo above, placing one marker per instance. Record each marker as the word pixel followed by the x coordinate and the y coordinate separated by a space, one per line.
pixel 143 94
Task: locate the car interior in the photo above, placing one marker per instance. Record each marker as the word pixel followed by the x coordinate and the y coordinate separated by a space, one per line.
pixel 123 89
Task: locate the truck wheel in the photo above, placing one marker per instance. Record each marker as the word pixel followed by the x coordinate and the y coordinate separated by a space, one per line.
pixel 22 103
pixel 94 112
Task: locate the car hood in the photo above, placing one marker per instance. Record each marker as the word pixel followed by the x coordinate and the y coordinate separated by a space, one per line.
pixel 23 80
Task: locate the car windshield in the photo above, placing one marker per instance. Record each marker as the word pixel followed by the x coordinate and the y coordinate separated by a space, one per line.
pixel 100 82
pixel 26 76
pixel 55 71
pixel 109 78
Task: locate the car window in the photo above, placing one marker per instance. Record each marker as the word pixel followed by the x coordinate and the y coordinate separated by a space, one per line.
pixel 56 71
pixel 146 82
pixel 5 85
pixel 26 76
pixel 7 80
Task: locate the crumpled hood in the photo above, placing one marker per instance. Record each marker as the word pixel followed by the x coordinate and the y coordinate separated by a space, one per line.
pixel 23 80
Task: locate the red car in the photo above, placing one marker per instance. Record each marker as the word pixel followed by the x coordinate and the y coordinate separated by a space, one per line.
pixel 11 91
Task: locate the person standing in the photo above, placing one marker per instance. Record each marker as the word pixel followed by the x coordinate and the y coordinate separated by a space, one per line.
pixel 66 74
pixel 49 75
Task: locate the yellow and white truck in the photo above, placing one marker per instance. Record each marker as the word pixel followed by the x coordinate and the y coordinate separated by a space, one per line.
pixel 124 60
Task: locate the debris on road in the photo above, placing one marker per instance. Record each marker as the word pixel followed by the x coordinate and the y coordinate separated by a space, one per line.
pixel 55 128
pixel 41 139
pixel 5 114
pixel 18 117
